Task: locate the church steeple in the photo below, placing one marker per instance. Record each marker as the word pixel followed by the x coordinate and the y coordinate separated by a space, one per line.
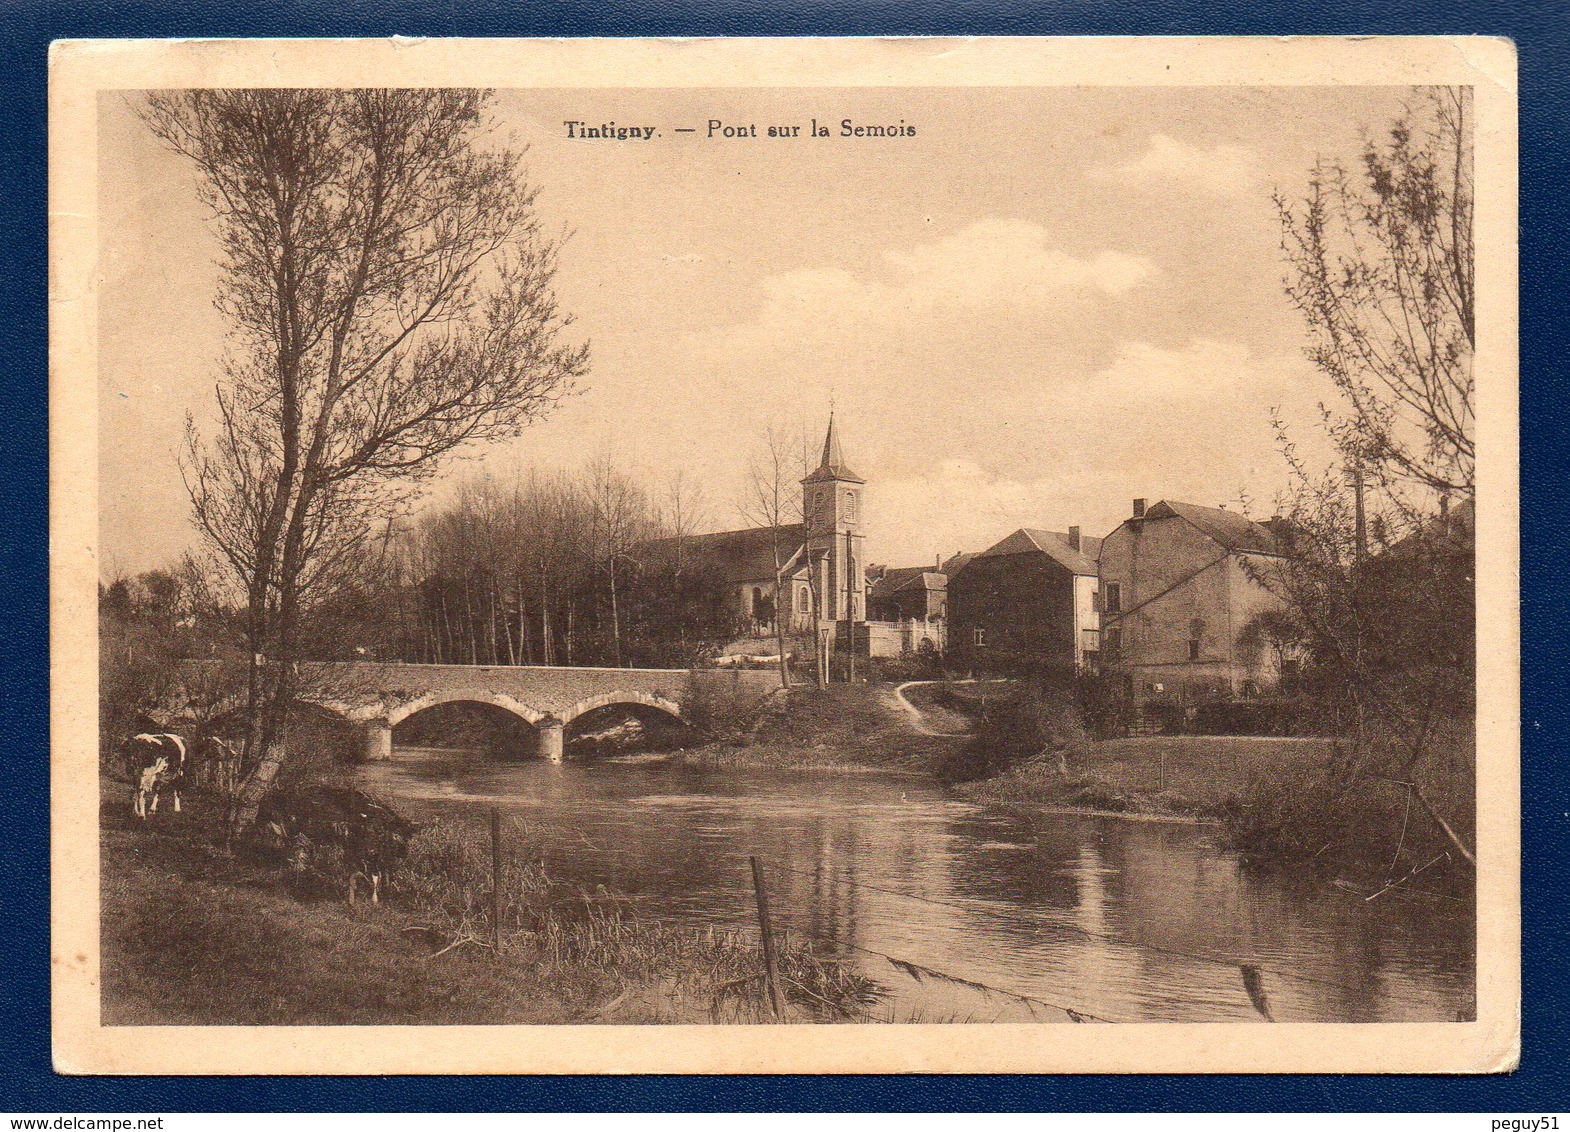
pixel 833 466
pixel 833 507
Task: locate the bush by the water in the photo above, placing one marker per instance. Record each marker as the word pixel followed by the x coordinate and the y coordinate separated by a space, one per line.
pixel 723 706
pixel 1356 811
pixel 447 878
pixel 1033 721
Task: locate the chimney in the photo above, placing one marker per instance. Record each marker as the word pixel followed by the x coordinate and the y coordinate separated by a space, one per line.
pixel 1074 539
pixel 1139 508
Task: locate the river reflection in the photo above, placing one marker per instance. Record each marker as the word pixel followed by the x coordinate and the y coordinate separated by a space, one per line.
pixel 1122 920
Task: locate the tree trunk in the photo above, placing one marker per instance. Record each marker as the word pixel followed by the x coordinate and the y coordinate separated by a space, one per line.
pixel 615 617
pixel 248 800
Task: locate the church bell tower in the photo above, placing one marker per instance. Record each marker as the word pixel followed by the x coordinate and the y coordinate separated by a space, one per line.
pixel 832 501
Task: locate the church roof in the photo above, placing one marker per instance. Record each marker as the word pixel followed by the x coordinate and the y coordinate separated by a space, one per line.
pixel 833 466
pixel 1055 545
pixel 738 556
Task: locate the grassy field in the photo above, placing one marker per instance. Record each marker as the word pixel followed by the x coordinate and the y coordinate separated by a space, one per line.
pixel 191 935
pixel 1190 775
pixel 842 727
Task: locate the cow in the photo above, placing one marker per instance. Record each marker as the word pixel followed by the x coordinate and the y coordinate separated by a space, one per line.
pixel 216 762
pixel 157 763
pixel 371 836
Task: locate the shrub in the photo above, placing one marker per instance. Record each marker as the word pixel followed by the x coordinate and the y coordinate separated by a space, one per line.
pixel 721 705
pixel 1041 720
pixel 1349 812
pixel 446 878
pixel 906 666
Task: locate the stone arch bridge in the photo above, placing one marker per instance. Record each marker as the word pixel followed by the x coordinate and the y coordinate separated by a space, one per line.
pixel 376 697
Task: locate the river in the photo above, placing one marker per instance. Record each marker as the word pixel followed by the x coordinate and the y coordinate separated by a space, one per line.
pixel 1117 920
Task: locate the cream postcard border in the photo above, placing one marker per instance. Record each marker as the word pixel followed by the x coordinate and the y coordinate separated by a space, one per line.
pixel 79 70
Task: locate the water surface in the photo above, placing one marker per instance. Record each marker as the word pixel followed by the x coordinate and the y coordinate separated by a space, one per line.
pixel 1116 919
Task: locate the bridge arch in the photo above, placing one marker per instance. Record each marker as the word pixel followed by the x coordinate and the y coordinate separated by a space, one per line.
pixel 648 699
pixel 403 711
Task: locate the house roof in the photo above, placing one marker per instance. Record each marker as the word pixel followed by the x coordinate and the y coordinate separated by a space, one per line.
pixel 738 556
pixel 957 563
pixel 1453 532
pixel 1228 529
pixel 907 577
pixel 1054 544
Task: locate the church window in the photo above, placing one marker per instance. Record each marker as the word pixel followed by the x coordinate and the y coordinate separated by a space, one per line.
pixel 978 637
pixel 803 599
pixel 850 506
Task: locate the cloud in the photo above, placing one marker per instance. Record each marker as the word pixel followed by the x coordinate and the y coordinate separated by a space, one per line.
pixel 961 504
pixel 1200 369
pixel 1220 171
pixel 988 265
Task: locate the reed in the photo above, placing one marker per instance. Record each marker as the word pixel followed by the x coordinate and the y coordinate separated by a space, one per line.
pixel 445 882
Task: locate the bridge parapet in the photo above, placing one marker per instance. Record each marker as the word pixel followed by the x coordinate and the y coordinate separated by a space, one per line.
pixel 378 696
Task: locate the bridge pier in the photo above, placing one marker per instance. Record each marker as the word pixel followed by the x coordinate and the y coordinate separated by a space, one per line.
pixel 376 740
pixel 549 737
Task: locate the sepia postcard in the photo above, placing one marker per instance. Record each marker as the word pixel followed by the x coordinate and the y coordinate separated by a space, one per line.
pixel 784 556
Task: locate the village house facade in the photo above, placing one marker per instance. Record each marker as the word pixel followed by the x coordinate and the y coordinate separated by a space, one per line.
pixel 906 610
pixel 1181 586
pixel 1027 602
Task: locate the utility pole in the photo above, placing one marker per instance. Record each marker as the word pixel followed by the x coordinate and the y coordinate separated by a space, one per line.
pixel 850 608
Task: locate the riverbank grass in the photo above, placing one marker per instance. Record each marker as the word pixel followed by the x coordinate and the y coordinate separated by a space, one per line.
pixel 843 727
pixel 191 936
pixel 1173 775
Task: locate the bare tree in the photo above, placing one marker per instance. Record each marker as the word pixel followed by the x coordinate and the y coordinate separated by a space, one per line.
pixel 620 518
pixel 389 296
pixel 1382 270
pixel 771 497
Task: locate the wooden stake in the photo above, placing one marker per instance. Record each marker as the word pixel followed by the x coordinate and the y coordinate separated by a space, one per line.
pixel 770 963
pixel 496 879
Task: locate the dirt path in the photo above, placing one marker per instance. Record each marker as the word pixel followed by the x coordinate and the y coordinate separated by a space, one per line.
pixel 916 717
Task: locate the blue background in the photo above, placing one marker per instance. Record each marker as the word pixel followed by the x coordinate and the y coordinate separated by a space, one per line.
pixel 1541 29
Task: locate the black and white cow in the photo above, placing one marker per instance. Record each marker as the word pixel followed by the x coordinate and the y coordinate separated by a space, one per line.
pixel 371 837
pixel 157 764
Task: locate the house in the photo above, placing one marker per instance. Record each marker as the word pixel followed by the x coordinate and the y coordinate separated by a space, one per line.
pixel 905 610
pixel 907 593
pixel 1027 601
pixel 1180 586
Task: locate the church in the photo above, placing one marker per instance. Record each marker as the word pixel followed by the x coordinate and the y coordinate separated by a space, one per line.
pixel 809 573
pixel 812 575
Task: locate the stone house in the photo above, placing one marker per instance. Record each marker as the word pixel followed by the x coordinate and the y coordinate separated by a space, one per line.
pixel 1180 584
pixel 1029 601
pixel 906 608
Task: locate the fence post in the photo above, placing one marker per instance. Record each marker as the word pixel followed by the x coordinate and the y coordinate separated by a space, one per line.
pixel 770 964
pixel 496 879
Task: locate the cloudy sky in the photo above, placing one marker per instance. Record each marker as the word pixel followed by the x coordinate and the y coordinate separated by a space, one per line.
pixel 1045 303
